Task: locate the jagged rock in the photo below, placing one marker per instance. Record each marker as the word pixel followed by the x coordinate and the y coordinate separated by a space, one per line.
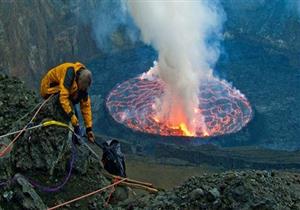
pixel 82 163
pixel 280 34
pixel 214 194
pixel 43 156
pixel 196 194
pixel 41 34
pixel 13 93
pixel 36 36
pixel 27 196
pixel 7 195
pixel 238 193
pixel 48 148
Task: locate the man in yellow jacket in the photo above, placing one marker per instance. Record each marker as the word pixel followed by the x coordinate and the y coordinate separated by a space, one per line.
pixel 71 81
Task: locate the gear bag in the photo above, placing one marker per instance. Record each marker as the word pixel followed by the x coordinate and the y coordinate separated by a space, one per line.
pixel 113 158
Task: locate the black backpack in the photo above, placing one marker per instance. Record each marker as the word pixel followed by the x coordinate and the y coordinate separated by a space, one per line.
pixel 113 158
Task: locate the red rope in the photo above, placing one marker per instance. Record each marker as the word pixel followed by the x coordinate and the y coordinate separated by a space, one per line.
pixel 109 197
pixel 2 145
pixel 87 195
pixel 111 192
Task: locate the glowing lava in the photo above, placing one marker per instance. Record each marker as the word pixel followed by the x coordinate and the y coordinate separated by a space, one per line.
pixel 186 132
pixel 222 108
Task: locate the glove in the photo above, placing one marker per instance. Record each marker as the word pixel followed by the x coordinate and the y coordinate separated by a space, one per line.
pixel 74 120
pixel 90 135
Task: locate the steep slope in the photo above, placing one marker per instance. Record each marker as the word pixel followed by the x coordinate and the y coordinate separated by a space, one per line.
pixel 36 35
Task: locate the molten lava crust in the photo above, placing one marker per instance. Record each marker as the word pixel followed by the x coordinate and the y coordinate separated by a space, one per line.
pixel 223 108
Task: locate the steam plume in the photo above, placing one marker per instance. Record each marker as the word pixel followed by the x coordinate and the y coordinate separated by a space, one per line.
pixel 109 19
pixel 181 32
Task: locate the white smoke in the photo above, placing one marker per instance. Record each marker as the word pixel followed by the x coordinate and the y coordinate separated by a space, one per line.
pixel 110 23
pixel 181 33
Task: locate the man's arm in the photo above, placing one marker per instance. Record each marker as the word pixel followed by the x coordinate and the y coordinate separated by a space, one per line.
pixel 64 96
pixel 86 111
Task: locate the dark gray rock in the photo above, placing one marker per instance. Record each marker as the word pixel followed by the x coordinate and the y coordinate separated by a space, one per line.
pixel 239 193
pixel 35 36
pixel 273 23
pixel 214 194
pixel 8 195
pixel 41 154
pixel 196 194
pixel 27 196
pixel 47 148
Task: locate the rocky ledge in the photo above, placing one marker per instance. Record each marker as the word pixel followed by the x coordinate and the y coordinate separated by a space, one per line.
pixel 43 167
pixel 229 190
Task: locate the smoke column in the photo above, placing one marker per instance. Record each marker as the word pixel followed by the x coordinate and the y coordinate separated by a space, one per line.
pixel 181 32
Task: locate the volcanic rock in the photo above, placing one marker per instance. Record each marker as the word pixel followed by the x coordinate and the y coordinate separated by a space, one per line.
pixel 197 193
pixel 37 35
pixel 26 195
pixel 27 29
pixel 214 194
pixel 12 106
pixel 280 34
pixel 239 193
pixel 41 156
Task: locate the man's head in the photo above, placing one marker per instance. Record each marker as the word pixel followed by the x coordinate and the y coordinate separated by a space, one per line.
pixel 84 80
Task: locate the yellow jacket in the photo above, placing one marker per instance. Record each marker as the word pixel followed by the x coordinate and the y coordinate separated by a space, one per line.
pixel 62 80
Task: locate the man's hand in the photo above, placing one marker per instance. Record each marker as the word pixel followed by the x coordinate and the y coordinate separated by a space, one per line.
pixel 74 120
pixel 91 136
